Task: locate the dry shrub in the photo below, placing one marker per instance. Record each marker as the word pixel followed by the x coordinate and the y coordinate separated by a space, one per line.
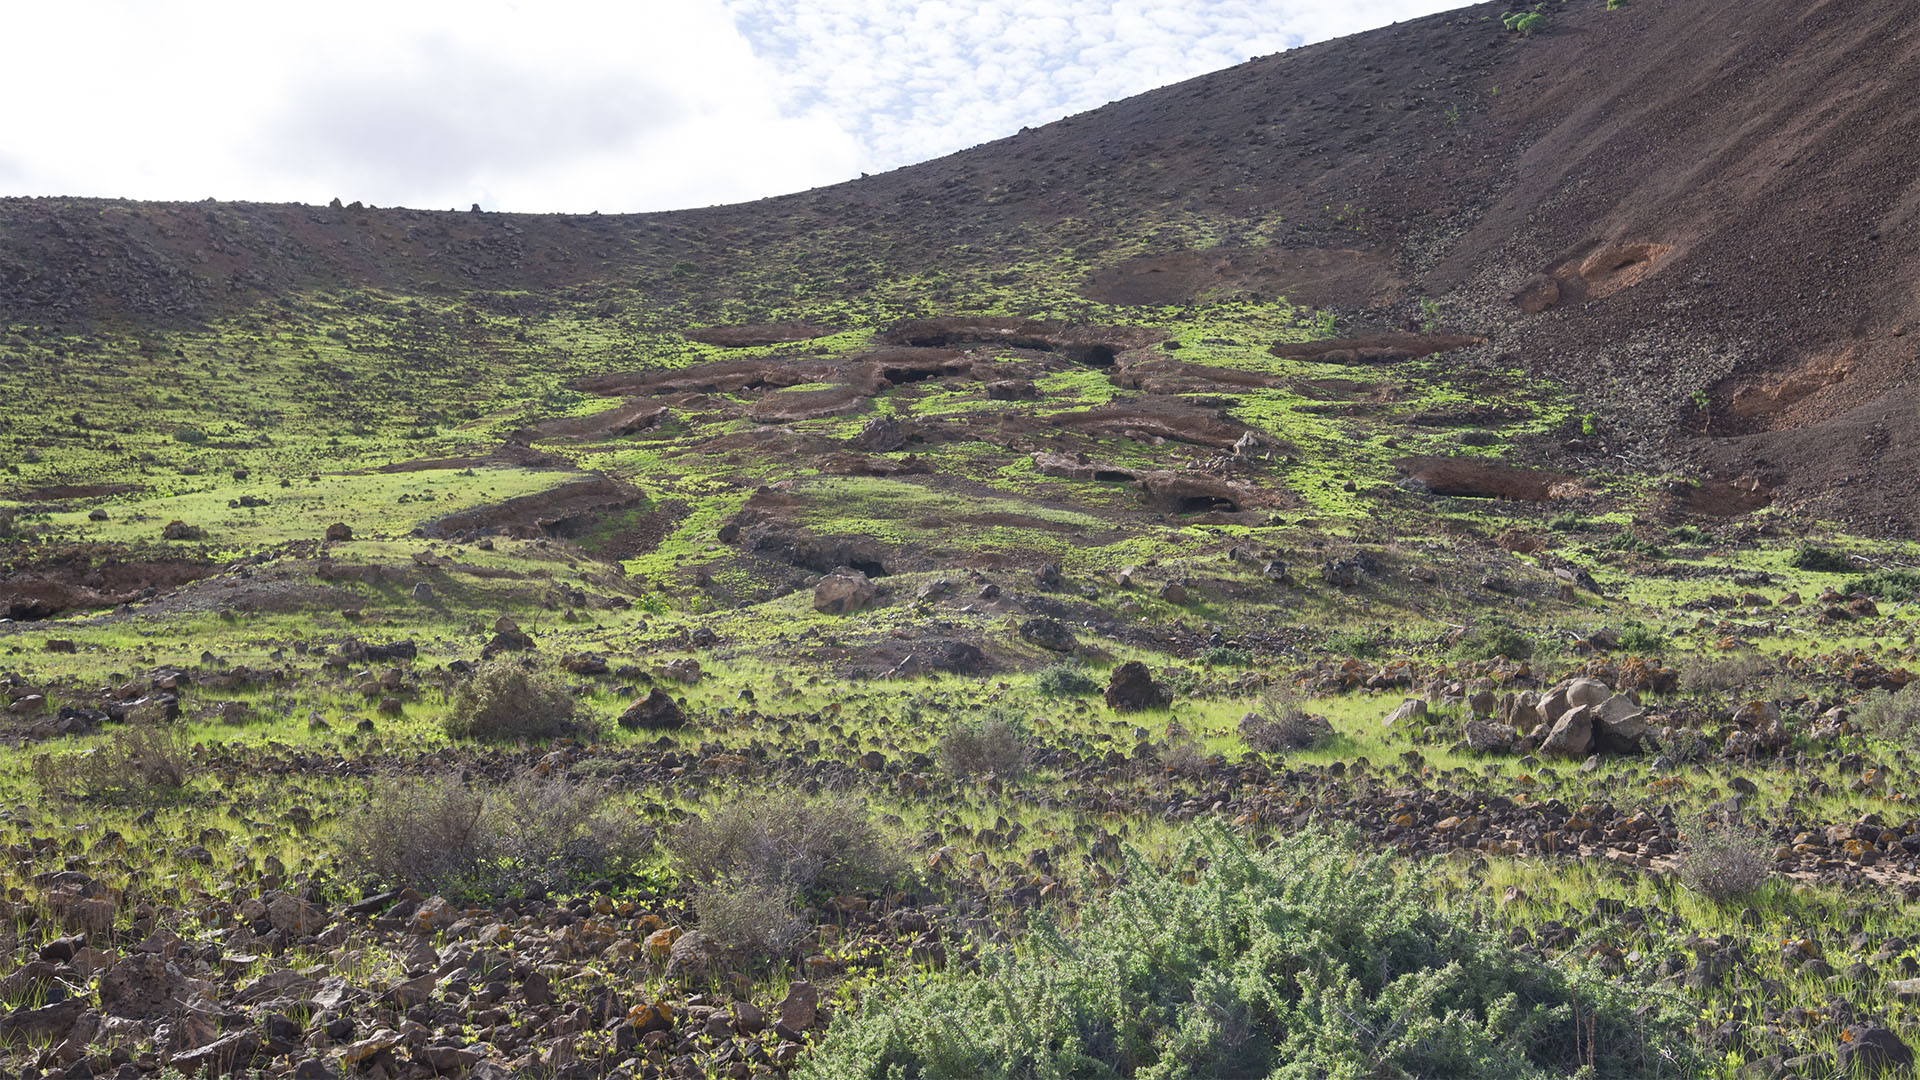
pixel 753 863
pixel 757 918
pixel 1724 862
pixel 822 846
pixel 530 835
pixel 1281 723
pixel 139 763
pixel 994 743
pixel 1705 676
pixel 1890 714
pixel 507 702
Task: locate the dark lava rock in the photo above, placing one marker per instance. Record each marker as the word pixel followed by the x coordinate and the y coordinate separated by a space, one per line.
pixel 1132 689
pixel 655 712
pixel 1048 634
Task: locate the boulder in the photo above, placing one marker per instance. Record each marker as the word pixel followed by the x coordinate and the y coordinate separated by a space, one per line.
pixel 1587 692
pixel 1619 725
pixel 339 531
pixel 1132 689
pixel 695 957
pixel 799 1009
pixel 140 987
pixel 844 592
pixel 655 712
pixel 1870 1050
pixel 296 916
pixel 1571 736
pixel 1409 710
pixel 1489 737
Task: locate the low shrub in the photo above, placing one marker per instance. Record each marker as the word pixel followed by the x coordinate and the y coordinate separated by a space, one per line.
pixel 1065 680
pixel 1724 862
pixel 754 862
pixel 1226 656
pixel 1281 722
pixel 1642 640
pixel 529 836
pixel 1491 639
pixel 1892 586
pixel 1892 715
pixel 1705 675
pixel 992 742
pixel 1819 560
pixel 817 846
pixel 140 763
pixel 1309 960
pixel 505 702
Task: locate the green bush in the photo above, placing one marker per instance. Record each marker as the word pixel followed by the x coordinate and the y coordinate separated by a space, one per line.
pixel 1226 656
pixel 505 701
pixel 1065 680
pixel 1352 643
pixel 1491 639
pixel 1642 640
pixel 1310 960
pixel 1889 585
pixel 1819 560
pixel 188 434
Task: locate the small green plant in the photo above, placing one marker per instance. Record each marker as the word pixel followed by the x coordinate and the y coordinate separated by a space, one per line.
pixel 1226 656
pixel 190 435
pixel 1355 643
pixel 1589 425
pixel 1572 523
pixel 1689 534
pixel 1523 22
pixel 1453 114
pixel 1429 311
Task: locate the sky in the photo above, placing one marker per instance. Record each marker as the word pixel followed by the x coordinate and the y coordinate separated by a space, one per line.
pixel 579 105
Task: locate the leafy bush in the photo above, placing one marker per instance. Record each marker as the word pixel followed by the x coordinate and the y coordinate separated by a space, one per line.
pixel 1309 960
pixel 140 763
pixel 1065 680
pixel 1642 640
pixel 188 434
pixel 1889 585
pixel 530 835
pixel 1724 862
pixel 1354 643
pixel 1819 560
pixel 1491 639
pixel 1226 656
pixel 992 742
pixel 1281 723
pixel 504 701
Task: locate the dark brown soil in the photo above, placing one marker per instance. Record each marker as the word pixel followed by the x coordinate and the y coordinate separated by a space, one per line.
pixel 82 579
pixel 754 334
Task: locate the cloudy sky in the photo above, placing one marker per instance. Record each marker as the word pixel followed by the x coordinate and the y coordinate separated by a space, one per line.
pixel 575 105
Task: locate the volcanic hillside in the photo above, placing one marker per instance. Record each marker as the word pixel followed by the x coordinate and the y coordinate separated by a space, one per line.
pixel 1701 214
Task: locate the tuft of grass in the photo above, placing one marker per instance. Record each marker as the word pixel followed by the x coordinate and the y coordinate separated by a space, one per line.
pixel 1281 723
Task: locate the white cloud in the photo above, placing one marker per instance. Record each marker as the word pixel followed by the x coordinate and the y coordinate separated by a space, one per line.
pixel 578 104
